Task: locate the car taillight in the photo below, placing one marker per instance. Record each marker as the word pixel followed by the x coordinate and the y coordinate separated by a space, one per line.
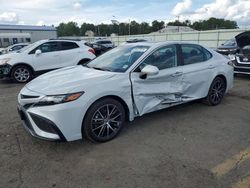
pixel 91 50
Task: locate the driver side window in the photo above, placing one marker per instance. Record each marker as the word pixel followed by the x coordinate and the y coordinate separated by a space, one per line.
pixel 163 58
pixel 46 47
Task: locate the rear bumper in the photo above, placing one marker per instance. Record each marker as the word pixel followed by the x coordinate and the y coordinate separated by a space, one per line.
pixel 5 70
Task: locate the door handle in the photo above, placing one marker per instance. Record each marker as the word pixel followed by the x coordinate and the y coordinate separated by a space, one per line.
pixel 177 73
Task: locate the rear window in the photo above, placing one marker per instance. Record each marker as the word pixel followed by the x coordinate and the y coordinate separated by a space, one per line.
pixel 68 45
pixel 193 53
pixel 104 42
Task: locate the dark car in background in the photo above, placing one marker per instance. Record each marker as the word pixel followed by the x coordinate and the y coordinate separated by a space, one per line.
pixel 101 46
pixel 228 47
pixel 242 58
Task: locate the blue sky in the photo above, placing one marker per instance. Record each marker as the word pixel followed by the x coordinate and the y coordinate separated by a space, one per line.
pixel 48 12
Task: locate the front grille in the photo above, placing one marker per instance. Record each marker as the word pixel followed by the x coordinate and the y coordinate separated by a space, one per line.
pixel 242 70
pixel 28 97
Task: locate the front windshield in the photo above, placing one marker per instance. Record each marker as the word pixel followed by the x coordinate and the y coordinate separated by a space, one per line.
pixel 119 59
pixel 231 42
pixel 27 47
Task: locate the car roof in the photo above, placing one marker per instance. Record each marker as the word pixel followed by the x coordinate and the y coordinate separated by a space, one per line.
pixel 157 44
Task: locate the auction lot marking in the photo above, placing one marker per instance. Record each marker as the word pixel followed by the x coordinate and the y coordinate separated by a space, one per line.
pixel 231 163
pixel 243 183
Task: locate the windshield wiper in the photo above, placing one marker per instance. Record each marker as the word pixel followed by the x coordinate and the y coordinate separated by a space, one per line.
pixel 85 65
pixel 102 69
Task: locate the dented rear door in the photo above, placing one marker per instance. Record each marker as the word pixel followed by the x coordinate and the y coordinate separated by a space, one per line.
pixel 159 91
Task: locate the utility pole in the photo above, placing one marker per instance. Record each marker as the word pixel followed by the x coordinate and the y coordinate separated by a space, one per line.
pixel 116 22
pixel 178 17
pixel 129 28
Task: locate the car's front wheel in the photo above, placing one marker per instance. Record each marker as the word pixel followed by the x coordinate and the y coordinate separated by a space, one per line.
pixel 104 120
pixel 216 92
pixel 21 74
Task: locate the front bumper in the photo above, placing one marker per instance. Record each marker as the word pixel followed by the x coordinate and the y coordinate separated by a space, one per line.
pixel 241 67
pixel 39 126
pixel 52 122
pixel 5 70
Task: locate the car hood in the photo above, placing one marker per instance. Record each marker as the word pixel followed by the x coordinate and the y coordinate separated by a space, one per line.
pixel 243 39
pixel 10 55
pixel 67 80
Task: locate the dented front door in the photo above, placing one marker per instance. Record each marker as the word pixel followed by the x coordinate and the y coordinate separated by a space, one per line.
pixel 159 91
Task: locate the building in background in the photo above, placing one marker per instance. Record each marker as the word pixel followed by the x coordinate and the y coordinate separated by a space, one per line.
pixel 174 29
pixel 13 34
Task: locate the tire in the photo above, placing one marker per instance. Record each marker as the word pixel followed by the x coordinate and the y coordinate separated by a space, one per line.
pixel 216 92
pixel 98 126
pixel 21 74
pixel 83 61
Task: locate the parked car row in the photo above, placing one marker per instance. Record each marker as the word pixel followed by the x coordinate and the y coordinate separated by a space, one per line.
pixel 43 56
pixel 94 100
pixel 13 48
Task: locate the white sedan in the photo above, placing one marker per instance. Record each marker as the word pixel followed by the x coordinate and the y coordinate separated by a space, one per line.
pixel 94 101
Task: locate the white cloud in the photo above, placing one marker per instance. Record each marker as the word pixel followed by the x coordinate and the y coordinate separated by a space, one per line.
pixel 9 17
pixel 237 10
pixel 182 7
pixel 77 5
pixel 40 23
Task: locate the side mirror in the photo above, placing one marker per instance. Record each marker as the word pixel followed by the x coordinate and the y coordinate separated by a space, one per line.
pixel 222 44
pixel 38 52
pixel 150 70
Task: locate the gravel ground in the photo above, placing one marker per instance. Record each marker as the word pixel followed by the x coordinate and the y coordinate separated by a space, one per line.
pixel 178 147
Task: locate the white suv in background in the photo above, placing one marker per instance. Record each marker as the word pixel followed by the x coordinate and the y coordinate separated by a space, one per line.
pixel 43 56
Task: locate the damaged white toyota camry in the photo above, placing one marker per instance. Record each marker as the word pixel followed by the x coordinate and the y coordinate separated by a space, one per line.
pixel 94 101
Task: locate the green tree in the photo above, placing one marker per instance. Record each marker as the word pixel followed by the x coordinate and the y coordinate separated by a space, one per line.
pixel 156 25
pixel 68 29
pixel 214 23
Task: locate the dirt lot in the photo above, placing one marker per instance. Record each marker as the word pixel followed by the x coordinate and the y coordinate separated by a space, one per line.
pixel 192 145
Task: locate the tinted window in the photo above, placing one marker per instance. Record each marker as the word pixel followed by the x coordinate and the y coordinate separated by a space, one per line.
pixel 47 47
pixel 163 58
pixel 104 42
pixel 231 42
pixel 194 54
pixel 17 47
pixel 68 45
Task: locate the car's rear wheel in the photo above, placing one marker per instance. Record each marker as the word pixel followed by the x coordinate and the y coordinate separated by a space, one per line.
pixel 216 92
pixel 104 120
pixel 21 74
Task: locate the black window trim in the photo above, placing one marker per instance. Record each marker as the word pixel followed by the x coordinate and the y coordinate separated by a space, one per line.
pixel 60 45
pixel 182 58
pixel 35 49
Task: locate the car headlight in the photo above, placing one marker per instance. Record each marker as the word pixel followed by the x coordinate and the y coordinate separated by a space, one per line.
pixel 58 99
pixel 4 61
